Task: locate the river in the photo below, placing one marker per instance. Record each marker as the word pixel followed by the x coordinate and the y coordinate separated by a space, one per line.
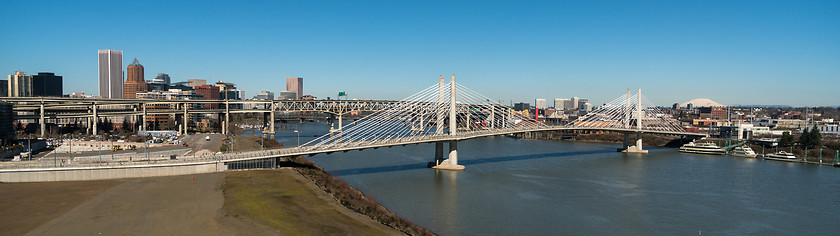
pixel 536 187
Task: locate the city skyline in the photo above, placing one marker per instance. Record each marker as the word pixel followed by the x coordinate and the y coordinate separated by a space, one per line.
pixel 764 53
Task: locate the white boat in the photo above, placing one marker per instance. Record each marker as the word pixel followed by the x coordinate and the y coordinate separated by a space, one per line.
pixel 743 151
pixel 702 148
pixel 781 155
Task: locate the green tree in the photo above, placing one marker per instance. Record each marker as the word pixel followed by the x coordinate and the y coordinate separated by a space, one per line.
pixel 786 140
pixel 805 138
pixel 815 136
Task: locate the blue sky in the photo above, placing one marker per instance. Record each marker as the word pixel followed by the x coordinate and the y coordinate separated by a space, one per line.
pixel 734 52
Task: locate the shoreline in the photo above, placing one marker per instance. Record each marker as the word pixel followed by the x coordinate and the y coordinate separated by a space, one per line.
pixel 354 199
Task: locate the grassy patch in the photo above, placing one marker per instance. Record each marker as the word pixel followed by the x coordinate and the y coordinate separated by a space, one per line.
pixel 276 199
pixel 354 199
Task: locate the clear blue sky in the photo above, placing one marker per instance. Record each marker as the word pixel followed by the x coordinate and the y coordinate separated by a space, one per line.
pixel 734 52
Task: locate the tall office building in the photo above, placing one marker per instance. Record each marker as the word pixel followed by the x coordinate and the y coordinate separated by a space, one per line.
pixel 20 85
pixel 159 83
pixel 540 103
pixel 264 95
pixel 110 74
pixel 560 104
pixel 287 95
pixel 46 84
pixel 295 84
pixel 4 88
pixel 162 78
pixel 135 83
pixel 575 103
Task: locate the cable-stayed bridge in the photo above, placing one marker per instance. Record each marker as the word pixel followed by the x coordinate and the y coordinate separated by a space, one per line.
pixel 448 112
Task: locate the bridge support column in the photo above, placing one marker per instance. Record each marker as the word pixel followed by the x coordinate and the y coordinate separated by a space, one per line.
pixel 94 119
pixel 637 148
pixel 438 153
pixel 43 122
pixel 272 131
pixel 186 119
pixel 448 164
pixel 144 117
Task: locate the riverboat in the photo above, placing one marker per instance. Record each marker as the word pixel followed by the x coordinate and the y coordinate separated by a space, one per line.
pixel 743 151
pixel 781 155
pixel 702 148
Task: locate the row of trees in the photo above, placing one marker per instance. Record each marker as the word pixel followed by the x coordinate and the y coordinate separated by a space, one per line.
pixel 810 138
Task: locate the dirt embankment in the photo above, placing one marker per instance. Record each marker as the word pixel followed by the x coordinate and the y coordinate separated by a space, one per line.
pixel 284 200
pixel 354 199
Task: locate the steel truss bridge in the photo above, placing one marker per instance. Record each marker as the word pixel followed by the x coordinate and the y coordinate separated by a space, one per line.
pixel 444 113
pixel 44 110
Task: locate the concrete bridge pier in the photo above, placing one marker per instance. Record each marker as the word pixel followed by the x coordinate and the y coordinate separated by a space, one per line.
pixel 447 164
pixel 637 148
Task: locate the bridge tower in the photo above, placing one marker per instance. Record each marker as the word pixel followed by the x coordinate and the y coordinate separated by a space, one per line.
pixel 452 162
pixel 637 148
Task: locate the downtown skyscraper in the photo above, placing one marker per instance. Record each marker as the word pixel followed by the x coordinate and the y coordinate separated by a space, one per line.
pixel 295 84
pixel 135 83
pixel 110 74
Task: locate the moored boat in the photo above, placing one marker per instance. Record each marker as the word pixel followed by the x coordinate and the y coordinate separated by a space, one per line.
pixel 743 151
pixel 781 155
pixel 702 148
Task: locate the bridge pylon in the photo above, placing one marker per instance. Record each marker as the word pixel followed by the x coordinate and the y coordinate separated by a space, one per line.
pixel 452 162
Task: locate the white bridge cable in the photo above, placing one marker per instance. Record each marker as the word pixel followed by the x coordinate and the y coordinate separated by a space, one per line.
pixel 390 123
pixel 416 118
pixel 623 113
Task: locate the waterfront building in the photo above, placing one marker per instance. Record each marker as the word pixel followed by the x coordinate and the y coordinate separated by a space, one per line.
pixel 295 84
pixel 715 112
pixel 196 82
pixel 540 103
pixel 110 74
pixel 20 85
pixel 46 84
pixel 209 92
pixel 264 95
pixel 135 82
pixel 172 94
pixel 287 95
pixel 184 86
pixel 79 95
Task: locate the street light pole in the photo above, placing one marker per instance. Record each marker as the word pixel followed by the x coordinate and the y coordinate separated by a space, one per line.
pixel 298 138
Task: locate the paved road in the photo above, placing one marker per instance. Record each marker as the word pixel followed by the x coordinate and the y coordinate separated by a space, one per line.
pixel 199 142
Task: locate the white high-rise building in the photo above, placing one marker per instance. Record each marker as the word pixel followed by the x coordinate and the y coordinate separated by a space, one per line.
pixel 20 85
pixel 295 84
pixel 560 104
pixel 587 107
pixel 110 74
pixel 575 103
pixel 540 103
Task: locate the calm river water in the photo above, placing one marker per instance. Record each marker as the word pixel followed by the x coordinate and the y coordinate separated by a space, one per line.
pixel 529 187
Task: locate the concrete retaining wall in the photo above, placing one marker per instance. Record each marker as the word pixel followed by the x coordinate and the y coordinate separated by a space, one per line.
pixel 110 172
